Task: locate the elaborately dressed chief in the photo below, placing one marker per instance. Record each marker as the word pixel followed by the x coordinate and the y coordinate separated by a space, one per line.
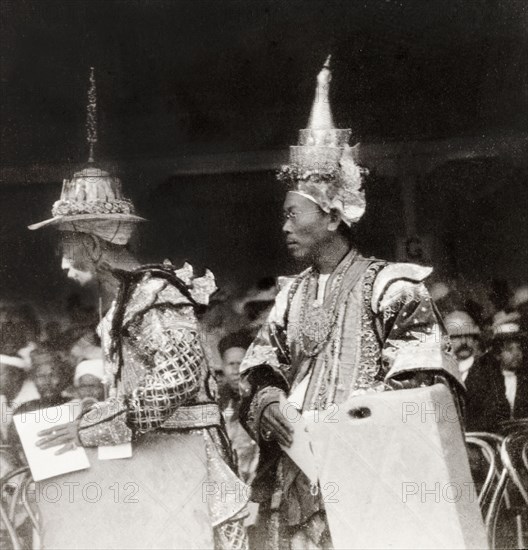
pixel 162 395
pixel 369 325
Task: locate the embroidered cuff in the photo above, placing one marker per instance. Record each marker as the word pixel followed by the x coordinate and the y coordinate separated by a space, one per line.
pixel 260 401
pixel 105 424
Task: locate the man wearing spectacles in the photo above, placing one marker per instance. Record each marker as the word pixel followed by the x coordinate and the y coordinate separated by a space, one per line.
pixel 310 233
pixel 344 326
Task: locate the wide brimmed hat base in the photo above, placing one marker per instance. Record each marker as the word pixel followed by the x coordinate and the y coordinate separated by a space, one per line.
pixel 114 228
pixel 61 220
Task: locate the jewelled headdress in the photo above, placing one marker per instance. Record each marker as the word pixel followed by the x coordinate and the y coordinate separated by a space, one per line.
pixel 93 201
pixel 322 167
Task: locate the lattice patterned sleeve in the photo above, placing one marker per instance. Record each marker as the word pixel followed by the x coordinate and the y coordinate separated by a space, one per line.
pixel 171 345
pixel 231 536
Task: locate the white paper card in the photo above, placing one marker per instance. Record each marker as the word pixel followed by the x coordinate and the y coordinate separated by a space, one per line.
pixel 297 395
pixel 44 463
pixel 113 452
pixel 301 450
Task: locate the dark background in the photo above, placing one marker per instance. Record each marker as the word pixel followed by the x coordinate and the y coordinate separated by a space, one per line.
pixel 181 77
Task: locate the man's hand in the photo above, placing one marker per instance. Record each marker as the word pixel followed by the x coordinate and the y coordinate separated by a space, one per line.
pixel 63 434
pixel 275 426
pixel 420 379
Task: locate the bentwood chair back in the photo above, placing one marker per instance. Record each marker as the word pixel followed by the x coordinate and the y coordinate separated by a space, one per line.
pixel 15 507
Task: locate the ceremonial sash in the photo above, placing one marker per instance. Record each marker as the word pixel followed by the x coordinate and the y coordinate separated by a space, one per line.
pixel 309 366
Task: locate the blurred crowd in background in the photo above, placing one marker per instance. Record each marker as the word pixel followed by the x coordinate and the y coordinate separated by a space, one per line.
pixel 55 358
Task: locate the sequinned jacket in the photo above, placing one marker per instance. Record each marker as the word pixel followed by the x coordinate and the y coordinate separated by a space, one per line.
pixel 386 327
pixel 160 368
pixel 162 377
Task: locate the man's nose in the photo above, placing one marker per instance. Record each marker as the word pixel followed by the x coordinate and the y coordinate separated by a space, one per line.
pixel 287 227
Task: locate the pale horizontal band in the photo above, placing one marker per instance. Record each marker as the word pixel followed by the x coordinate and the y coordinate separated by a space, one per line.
pixel 194 417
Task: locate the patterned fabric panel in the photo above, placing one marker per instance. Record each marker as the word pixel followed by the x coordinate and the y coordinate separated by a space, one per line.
pixel 231 536
pixel 105 424
pixel 174 372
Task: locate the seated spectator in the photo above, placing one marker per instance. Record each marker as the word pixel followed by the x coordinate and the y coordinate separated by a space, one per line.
pixel 510 346
pixel 88 381
pixel 497 385
pixel 49 371
pixel 465 338
pixel 232 349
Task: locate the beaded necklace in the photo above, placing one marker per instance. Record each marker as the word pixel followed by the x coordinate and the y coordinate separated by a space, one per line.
pixel 317 321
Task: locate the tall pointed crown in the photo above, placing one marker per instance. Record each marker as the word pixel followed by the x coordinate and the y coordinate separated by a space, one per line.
pixel 322 167
pixel 93 200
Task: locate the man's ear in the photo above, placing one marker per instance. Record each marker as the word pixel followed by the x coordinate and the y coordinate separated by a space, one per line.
pixel 92 247
pixel 334 220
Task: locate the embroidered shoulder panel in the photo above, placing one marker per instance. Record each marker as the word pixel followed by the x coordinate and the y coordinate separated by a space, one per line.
pixel 149 292
pixel 370 349
pixel 399 294
pixel 393 272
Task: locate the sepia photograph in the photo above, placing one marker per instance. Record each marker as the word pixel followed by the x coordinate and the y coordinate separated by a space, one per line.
pixel 263 274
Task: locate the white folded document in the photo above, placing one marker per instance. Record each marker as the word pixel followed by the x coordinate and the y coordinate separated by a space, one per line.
pixel 113 452
pixel 301 449
pixel 44 463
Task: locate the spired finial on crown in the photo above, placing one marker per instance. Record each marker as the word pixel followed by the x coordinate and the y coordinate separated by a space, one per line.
pixel 321 115
pixel 322 166
pixel 92 201
pixel 91 116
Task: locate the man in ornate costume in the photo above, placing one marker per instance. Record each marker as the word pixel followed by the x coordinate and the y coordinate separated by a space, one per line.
pixel 344 326
pixel 162 396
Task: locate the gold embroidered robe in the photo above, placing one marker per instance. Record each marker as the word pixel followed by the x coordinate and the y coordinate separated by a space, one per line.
pixel 165 395
pixel 386 328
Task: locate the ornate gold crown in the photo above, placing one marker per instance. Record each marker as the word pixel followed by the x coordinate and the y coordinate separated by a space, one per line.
pixel 322 164
pixel 93 201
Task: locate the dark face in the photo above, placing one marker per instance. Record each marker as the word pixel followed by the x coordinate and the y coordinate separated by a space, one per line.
pixel 90 386
pixel 231 361
pixel 511 355
pixel 464 346
pixel 309 231
pixel 48 381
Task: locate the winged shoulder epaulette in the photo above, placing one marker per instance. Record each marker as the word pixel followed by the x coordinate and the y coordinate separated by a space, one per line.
pixel 412 273
pixel 153 289
pixel 150 291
